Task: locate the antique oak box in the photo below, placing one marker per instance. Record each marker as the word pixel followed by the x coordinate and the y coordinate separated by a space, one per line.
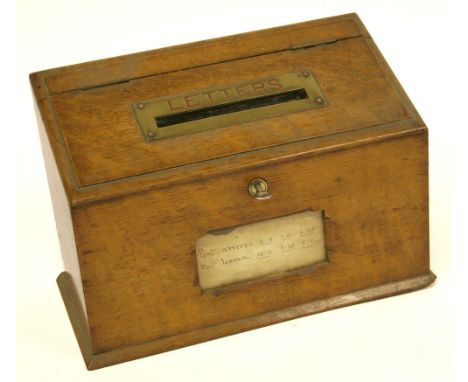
pixel 210 188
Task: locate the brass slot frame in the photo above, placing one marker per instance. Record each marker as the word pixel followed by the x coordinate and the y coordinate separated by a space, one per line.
pixel 148 112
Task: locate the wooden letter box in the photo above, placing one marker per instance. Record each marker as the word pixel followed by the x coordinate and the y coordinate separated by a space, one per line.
pixel 211 188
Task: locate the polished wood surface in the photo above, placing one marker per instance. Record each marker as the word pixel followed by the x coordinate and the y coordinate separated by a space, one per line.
pixel 136 209
pixel 176 58
pixel 96 140
pixel 375 202
pixel 358 92
pixel 96 361
pixel 62 211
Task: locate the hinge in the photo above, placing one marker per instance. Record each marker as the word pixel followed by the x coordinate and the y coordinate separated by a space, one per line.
pixel 312 44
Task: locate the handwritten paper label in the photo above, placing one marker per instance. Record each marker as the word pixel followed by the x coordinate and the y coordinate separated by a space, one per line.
pixel 260 249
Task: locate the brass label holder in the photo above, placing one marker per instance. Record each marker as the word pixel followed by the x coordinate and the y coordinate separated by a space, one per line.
pixel 196 111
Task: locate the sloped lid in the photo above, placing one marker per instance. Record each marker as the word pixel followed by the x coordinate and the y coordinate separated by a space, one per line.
pixel 100 130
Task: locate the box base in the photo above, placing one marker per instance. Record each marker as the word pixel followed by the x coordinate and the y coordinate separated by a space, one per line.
pixel 96 361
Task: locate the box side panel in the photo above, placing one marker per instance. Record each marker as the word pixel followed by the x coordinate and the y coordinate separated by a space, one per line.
pixel 137 252
pixel 62 211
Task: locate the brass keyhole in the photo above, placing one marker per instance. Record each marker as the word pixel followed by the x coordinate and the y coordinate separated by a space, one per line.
pixel 258 188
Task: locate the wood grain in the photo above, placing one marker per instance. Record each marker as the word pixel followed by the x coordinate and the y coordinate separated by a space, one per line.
pixel 62 211
pixel 138 269
pixel 132 211
pixel 176 58
pixel 358 93
pixel 97 361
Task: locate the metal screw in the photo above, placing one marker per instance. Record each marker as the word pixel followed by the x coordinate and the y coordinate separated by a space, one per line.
pixel 305 74
pixel 140 106
pixel 319 100
pixel 151 134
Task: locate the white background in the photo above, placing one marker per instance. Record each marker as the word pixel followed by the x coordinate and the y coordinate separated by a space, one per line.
pixel 413 337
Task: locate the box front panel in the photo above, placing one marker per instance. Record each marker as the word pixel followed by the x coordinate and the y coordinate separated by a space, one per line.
pixel 138 253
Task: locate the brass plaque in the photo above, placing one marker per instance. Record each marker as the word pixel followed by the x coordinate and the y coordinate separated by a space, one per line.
pixel 228 104
pixel 261 249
